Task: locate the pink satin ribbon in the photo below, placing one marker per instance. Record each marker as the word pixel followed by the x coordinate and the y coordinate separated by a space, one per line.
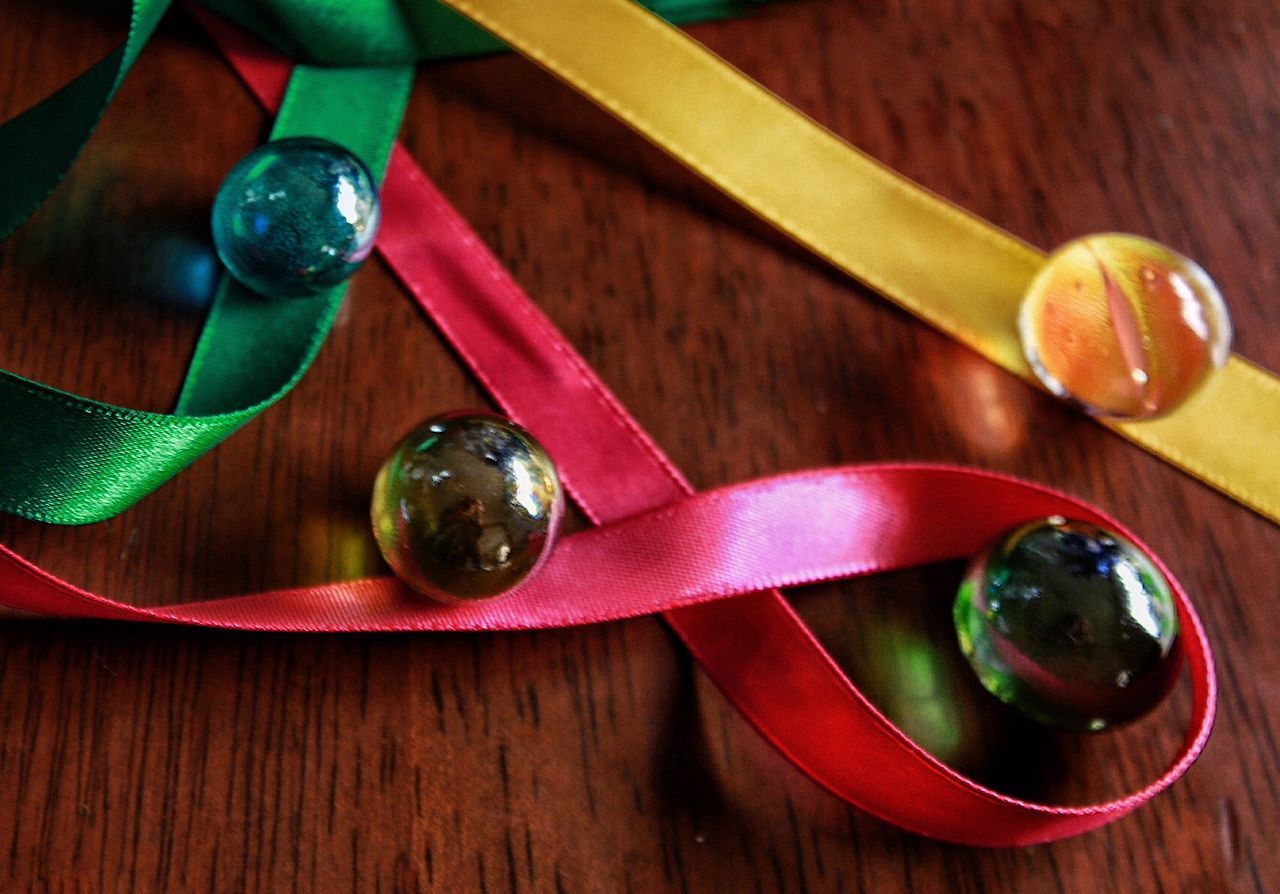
pixel 706 561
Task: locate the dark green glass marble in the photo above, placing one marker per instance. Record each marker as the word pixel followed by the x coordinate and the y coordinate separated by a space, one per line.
pixel 466 507
pixel 295 216
pixel 1069 623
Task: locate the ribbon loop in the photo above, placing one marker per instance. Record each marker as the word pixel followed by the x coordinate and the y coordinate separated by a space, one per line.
pixel 702 561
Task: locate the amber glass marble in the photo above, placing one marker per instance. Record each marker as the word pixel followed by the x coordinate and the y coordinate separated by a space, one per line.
pixel 1123 326
pixel 1069 623
pixel 466 506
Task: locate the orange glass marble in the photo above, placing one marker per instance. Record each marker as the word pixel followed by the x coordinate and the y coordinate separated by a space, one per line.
pixel 1123 326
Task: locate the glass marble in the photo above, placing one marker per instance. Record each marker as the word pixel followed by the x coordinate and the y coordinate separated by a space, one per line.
pixel 295 216
pixel 466 507
pixel 1123 326
pixel 1069 623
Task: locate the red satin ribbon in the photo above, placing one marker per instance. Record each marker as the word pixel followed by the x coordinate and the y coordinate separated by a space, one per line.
pixel 705 561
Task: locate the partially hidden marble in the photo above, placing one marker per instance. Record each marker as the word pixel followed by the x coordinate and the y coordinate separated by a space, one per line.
pixel 1069 623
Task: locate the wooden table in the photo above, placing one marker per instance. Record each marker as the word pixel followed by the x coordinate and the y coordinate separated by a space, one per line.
pixel 600 759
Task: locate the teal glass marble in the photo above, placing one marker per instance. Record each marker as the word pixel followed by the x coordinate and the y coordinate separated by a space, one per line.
pixel 295 216
pixel 1069 623
pixel 467 506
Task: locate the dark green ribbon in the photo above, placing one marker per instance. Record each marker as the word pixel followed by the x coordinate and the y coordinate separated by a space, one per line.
pixel 66 459
pixel 70 460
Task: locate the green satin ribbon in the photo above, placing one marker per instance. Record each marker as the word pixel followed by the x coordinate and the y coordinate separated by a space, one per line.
pixel 69 460
pixel 66 459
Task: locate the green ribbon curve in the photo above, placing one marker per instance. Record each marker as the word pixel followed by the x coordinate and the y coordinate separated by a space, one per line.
pixel 66 459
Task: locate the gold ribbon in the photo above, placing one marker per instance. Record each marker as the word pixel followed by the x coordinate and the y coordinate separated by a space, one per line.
pixel 946 266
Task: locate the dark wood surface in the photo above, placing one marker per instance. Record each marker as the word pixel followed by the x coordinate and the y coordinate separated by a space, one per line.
pixel 601 760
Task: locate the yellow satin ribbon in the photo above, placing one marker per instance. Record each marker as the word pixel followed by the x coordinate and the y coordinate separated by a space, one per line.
pixel 946 266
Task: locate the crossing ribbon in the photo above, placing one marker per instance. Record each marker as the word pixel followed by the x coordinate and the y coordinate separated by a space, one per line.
pixel 950 268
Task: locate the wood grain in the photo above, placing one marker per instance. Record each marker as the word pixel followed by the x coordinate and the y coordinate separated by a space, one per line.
pixel 600 760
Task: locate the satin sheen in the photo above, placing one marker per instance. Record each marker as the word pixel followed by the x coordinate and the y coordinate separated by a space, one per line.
pixel 953 270
pixel 66 459
pixel 662 549
pixel 69 460
pixel 688 560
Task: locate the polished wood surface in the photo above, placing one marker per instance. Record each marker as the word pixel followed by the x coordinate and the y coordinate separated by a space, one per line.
pixel 600 759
